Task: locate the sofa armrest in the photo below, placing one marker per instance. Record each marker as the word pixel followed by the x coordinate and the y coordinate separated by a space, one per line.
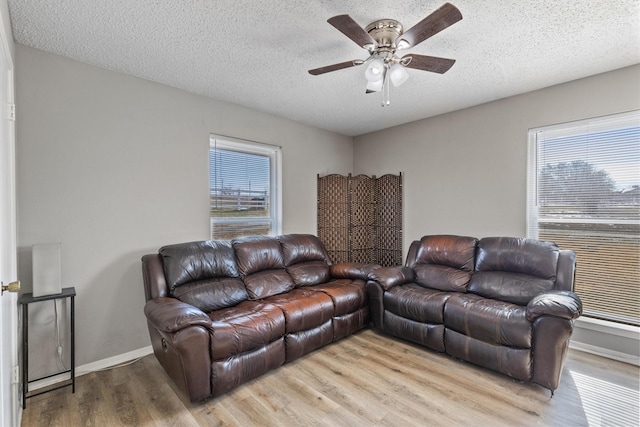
pixel 155 284
pixel 562 304
pixel 171 315
pixel 388 277
pixel 352 270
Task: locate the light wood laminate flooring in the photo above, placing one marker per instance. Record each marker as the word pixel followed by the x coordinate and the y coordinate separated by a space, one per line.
pixel 367 379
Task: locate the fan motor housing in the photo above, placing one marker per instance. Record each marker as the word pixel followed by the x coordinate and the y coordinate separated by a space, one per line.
pixel 385 32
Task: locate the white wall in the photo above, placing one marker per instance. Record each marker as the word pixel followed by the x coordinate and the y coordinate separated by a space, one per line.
pixel 465 172
pixel 114 167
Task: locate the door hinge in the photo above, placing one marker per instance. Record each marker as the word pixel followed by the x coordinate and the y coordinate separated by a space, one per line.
pixel 16 375
pixel 12 112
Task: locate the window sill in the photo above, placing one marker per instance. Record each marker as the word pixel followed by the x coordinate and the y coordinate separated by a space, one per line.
pixel 612 328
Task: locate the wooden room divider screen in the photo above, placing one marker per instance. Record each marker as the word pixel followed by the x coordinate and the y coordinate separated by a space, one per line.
pixel 360 218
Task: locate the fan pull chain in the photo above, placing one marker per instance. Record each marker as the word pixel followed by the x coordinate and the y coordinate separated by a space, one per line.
pixel 385 89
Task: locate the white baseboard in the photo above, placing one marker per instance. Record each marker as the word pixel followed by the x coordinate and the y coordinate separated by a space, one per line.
pixel 99 365
pixel 110 362
pixel 605 352
pixel 607 339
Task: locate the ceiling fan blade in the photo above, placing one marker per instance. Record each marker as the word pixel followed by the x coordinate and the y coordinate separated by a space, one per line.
pixel 429 63
pixel 442 18
pixel 350 28
pixel 334 67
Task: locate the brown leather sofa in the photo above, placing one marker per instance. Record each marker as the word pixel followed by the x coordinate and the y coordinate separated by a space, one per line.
pixel 222 313
pixel 502 303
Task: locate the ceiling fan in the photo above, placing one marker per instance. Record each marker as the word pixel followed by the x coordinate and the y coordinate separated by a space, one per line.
pixel 383 38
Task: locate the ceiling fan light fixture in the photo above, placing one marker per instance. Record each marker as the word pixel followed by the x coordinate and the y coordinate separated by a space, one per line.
pixel 382 38
pixel 402 44
pixel 398 74
pixel 374 86
pixel 375 70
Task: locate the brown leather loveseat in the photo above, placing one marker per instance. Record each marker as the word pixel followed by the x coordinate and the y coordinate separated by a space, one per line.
pixel 221 313
pixel 502 303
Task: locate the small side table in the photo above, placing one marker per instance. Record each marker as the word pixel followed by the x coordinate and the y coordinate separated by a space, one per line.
pixel 24 301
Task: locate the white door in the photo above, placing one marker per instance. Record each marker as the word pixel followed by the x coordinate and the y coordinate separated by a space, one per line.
pixel 9 401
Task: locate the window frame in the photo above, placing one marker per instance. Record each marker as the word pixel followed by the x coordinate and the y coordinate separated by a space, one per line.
pixel 274 153
pixel 596 124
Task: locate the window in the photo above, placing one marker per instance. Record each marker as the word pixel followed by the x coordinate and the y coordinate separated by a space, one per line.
pixel 244 188
pixel 584 194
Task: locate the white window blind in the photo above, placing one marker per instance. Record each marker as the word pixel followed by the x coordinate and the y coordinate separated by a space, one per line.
pixel 584 194
pixel 243 188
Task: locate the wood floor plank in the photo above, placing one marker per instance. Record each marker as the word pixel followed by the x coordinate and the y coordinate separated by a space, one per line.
pixel 408 380
pixel 368 379
pixel 89 406
pixel 213 414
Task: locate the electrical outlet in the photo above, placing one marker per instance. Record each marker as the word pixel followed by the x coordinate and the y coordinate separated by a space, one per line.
pixel 60 351
pixel 16 375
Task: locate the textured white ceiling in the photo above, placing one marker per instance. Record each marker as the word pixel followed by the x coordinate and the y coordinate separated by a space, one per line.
pixel 256 53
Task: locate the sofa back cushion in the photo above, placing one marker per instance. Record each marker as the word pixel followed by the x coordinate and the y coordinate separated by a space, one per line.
pixel 203 274
pixel 261 266
pixel 444 262
pixel 514 269
pixel 305 258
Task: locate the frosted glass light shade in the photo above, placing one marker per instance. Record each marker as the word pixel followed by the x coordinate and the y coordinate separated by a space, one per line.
pixel 374 86
pixel 375 70
pixel 398 74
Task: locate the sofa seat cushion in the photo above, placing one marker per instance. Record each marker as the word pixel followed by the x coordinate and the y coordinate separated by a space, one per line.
pixel 303 308
pixel 491 321
pixel 347 295
pixel 247 326
pixel 416 303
